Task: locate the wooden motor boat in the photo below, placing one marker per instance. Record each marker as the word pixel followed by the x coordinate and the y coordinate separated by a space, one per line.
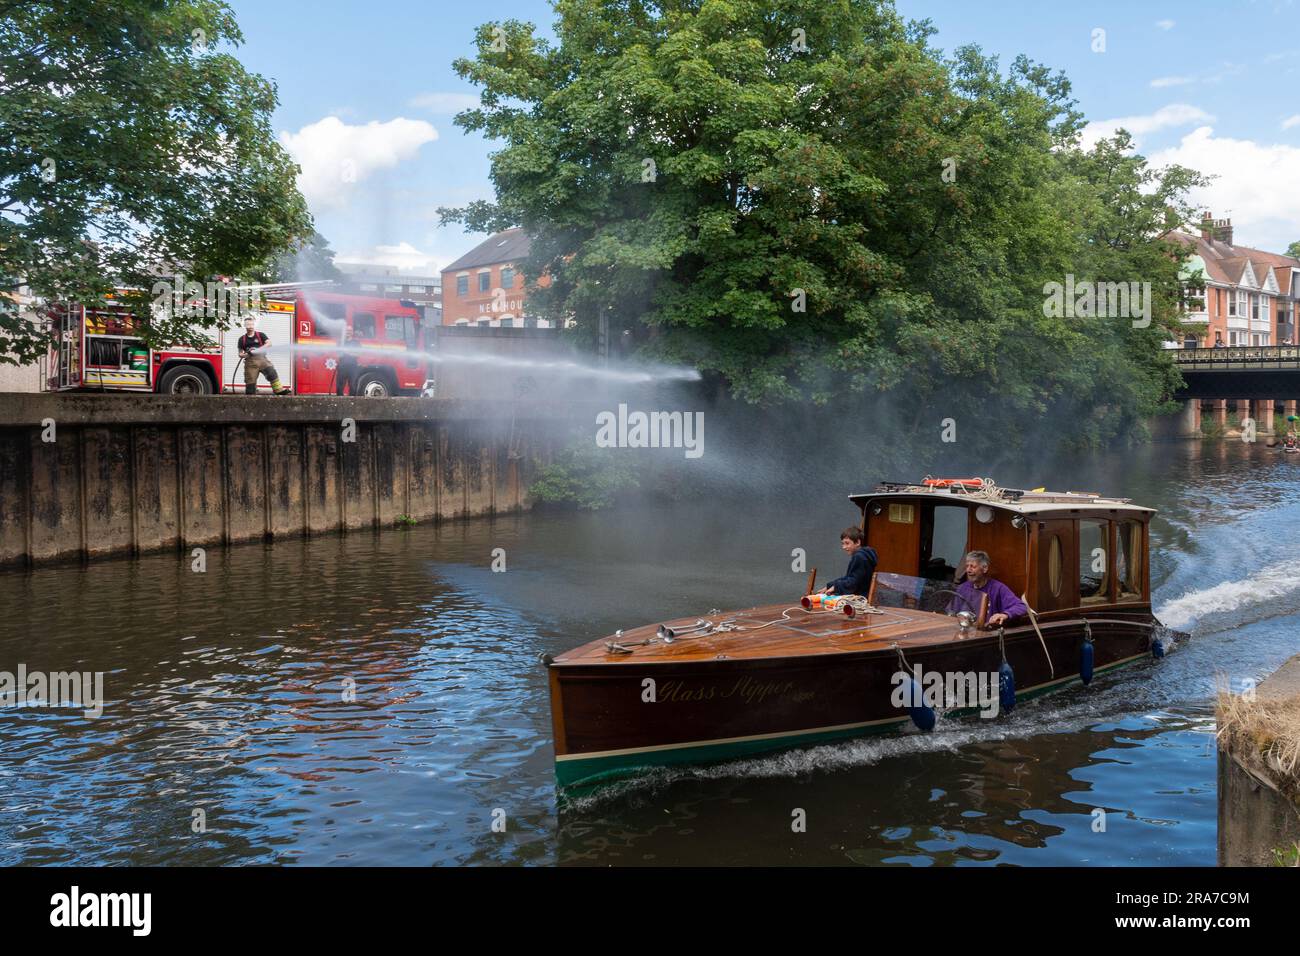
pixel 726 685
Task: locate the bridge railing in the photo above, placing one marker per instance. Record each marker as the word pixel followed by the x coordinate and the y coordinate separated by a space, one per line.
pixel 1249 356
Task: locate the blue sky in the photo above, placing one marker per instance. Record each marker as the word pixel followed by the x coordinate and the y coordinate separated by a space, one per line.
pixel 367 95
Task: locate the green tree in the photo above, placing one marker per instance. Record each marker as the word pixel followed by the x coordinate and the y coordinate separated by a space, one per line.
pixel 1293 250
pixel 807 200
pixel 133 143
pixel 308 260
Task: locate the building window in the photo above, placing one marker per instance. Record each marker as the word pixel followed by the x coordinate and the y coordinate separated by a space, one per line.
pixel 485 281
pixel 507 277
pixel 368 287
pixel 1264 308
pixel 415 288
pixel 1241 305
pixel 462 284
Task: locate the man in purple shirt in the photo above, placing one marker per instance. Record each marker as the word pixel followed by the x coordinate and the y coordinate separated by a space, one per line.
pixel 1003 603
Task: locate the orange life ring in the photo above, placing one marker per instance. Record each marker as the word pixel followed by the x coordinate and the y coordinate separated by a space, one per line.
pixel 950 482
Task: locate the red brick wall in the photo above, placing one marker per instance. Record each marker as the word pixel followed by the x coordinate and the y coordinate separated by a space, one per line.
pixel 475 305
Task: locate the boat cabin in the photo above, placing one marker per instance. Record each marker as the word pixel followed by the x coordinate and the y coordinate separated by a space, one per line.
pixel 1065 551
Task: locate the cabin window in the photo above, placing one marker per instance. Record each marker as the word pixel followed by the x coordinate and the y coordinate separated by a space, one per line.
pixel 1094 561
pixel 1054 566
pixel 944 542
pixel 1128 561
pixel 901 514
pixel 363 325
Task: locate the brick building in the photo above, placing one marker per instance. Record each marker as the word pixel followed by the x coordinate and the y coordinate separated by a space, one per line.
pixel 1249 296
pixel 485 286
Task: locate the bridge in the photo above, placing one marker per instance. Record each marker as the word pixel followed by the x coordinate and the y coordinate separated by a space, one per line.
pixel 1256 379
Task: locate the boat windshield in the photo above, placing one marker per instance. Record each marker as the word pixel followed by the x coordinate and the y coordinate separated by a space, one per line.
pixel 922 594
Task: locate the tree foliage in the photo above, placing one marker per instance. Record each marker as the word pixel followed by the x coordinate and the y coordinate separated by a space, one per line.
pixel 131 143
pixel 809 200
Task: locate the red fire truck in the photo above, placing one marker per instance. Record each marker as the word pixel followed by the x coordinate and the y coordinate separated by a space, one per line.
pixel 97 347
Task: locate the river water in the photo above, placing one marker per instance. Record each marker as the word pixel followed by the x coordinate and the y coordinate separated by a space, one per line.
pixel 376 698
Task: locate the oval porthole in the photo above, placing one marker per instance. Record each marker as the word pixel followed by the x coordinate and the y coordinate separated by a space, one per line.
pixel 1054 565
pixel 983 514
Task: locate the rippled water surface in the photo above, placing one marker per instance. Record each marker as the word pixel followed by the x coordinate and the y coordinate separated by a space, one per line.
pixel 377 699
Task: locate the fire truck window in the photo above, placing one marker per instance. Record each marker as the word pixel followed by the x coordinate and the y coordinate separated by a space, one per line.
pixel 1128 567
pixel 393 328
pixel 1094 562
pixel 412 330
pixel 363 325
pixel 330 319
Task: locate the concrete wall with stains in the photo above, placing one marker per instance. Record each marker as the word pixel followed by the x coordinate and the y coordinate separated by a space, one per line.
pixel 88 476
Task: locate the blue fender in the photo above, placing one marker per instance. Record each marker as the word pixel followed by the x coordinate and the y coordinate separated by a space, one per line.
pixel 922 715
pixel 1085 662
pixel 1006 688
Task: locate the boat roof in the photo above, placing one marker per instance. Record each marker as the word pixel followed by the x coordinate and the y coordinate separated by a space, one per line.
pixel 1018 500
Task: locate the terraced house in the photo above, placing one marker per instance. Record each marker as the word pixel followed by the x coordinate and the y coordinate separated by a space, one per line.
pixel 1243 296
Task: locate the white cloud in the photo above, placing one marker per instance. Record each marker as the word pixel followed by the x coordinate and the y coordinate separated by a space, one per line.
pixel 1293 120
pixel 403 256
pixel 1175 114
pixel 335 156
pixel 1162 81
pixel 445 103
pixel 1254 184
pixel 1165 24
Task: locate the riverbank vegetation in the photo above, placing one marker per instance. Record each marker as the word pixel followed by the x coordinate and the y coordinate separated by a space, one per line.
pixel 815 206
pixel 1265 732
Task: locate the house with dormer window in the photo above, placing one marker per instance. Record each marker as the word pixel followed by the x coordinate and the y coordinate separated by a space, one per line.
pixel 1236 295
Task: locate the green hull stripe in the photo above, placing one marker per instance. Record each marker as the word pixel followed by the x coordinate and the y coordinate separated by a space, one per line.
pixel 584 769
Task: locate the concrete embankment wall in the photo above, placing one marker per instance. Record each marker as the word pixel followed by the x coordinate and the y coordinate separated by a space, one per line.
pixel 86 476
pixel 1259 805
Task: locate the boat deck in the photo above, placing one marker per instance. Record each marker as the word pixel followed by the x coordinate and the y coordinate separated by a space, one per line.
pixel 763 632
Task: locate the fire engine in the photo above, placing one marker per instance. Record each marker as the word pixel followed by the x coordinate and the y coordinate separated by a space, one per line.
pixel 98 347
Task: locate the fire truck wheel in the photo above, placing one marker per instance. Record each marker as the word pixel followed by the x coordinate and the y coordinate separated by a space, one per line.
pixel 373 385
pixel 185 380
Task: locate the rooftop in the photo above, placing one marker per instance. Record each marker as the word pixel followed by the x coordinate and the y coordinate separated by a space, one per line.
pixel 509 246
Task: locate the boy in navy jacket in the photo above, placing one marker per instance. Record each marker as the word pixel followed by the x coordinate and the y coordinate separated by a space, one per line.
pixel 862 565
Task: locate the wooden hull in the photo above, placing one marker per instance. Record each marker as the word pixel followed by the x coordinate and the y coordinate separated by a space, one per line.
pixel 749 692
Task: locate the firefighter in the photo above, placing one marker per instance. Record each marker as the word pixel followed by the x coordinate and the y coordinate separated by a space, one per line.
pixel 348 368
pixel 252 349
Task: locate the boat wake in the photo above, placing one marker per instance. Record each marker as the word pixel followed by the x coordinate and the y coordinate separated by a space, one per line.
pixel 1268 585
